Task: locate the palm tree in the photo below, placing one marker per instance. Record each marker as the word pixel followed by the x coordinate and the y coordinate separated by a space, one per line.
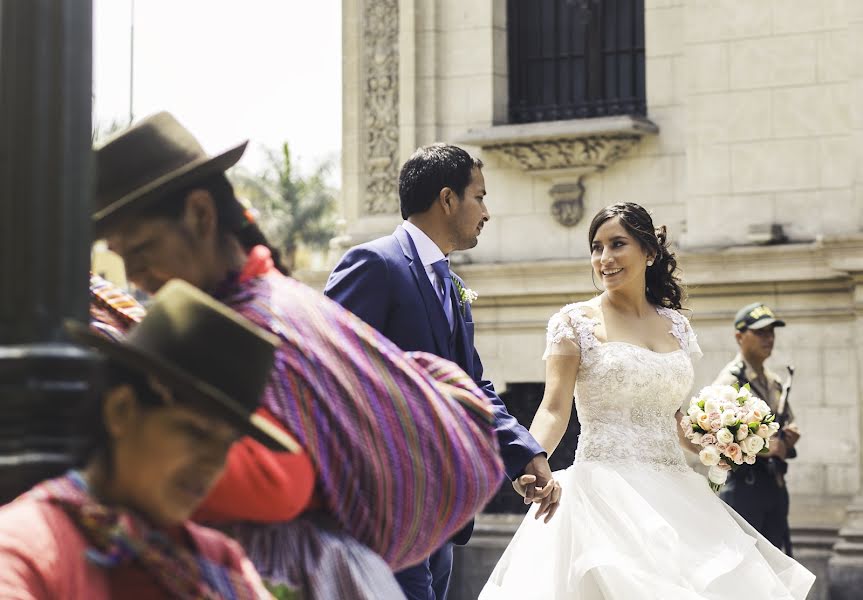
pixel 293 210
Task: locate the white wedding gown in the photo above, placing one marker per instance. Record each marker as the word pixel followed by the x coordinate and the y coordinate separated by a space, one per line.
pixel 635 522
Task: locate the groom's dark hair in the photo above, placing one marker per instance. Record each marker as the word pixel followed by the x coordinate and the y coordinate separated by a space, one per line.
pixel 428 171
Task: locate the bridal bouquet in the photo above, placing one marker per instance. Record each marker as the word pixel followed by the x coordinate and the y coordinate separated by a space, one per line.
pixel 732 427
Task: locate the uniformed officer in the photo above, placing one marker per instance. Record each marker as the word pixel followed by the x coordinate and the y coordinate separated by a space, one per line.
pixel 758 492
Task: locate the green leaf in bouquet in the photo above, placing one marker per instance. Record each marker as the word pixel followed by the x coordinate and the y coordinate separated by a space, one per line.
pixel 753 426
pixel 701 404
pixel 281 591
pixel 769 419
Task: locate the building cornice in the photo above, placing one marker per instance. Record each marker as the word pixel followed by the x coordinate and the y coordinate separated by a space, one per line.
pixel 824 266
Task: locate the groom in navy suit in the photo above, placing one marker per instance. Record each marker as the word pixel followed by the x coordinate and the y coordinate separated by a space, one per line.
pixel 402 286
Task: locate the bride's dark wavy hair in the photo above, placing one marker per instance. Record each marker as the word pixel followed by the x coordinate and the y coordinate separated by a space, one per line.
pixel 662 281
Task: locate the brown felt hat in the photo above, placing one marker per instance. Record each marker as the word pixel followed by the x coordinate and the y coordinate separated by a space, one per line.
pixel 154 158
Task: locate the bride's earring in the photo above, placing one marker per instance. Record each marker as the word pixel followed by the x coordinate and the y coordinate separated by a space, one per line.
pixel 650 263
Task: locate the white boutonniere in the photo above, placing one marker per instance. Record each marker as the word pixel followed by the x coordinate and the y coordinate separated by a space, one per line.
pixel 465 296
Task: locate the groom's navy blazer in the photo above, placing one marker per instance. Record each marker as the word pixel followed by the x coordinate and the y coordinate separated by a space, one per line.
pixel 385 284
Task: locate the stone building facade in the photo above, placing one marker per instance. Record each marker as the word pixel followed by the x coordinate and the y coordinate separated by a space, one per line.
pixel 750 151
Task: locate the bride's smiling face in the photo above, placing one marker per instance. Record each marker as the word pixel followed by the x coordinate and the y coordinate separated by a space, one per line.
pixel 618 259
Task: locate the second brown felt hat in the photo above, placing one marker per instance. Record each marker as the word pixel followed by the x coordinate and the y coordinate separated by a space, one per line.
pixel 207 355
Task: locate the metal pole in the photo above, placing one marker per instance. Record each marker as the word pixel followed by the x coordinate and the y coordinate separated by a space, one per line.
pixel 45 195
pixel 132 62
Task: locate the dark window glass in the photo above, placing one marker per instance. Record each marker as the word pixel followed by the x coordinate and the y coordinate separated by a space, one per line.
pixel 568 62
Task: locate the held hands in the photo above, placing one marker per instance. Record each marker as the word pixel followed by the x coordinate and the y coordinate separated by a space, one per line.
pixel 538 485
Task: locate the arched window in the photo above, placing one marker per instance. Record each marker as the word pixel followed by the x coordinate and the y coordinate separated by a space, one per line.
pixel 575 59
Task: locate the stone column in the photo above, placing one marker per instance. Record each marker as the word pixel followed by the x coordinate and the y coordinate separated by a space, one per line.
pixel 45 191
pixel 846 564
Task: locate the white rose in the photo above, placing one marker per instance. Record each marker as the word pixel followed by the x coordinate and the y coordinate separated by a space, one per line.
pixel 742 432
pixel 711 405
pixel 696 437
pixel 752 444
pixel 693 411
pixel 744 393
pixel 749 459
pixel 774 427
pixel 764 431
pixel 729 418
pixel 717 475
pixel 710 456
pixel 762 406
pixel 704 422
pixel 723 436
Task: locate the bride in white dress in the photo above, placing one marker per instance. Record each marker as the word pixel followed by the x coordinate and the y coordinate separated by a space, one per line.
pixel 634 521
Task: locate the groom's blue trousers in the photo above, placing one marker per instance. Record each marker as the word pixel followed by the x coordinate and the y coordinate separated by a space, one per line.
pixel 429 580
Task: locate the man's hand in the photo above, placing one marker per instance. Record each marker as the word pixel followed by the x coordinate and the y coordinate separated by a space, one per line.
pixel 790 434
pixel 538 485
pixel 778 449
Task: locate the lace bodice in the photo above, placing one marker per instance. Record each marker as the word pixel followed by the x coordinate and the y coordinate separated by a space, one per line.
pixel 626 395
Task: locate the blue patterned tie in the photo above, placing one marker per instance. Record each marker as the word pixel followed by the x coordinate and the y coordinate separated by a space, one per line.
pixel 441 269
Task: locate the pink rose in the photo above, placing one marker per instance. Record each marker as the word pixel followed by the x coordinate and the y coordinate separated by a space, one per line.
pixel 723 464
pixel 707 439
pixel 749 459
pixel 735 453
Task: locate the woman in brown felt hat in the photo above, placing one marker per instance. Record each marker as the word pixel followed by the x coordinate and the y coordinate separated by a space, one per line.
pixel 174 402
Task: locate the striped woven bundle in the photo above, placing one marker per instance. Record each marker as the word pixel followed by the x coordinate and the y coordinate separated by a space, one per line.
pixel 405 458
pixel 112 311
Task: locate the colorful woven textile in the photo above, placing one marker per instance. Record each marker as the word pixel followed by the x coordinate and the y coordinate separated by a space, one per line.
pixel 404 445
pixel 119 537
pixel 112 311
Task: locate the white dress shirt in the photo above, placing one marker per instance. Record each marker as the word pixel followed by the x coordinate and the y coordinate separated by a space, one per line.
pixel 429 253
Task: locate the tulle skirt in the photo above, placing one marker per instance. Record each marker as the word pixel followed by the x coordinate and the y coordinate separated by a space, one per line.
pixel 625 532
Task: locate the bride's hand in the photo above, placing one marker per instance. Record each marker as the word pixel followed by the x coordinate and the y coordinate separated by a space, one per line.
pixel 538 485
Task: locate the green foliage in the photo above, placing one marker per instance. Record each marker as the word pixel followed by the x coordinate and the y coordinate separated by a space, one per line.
pixel 293 210
pixel 282 592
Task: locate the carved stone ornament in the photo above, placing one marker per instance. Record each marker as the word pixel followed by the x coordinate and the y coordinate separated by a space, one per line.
pixel 381 106
pixel 592 153
pixel 568 206
pixel 564 152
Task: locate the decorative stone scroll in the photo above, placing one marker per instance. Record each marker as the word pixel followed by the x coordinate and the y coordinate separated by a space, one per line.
pixel 381 106
pixel 568 206
pixel 589 153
